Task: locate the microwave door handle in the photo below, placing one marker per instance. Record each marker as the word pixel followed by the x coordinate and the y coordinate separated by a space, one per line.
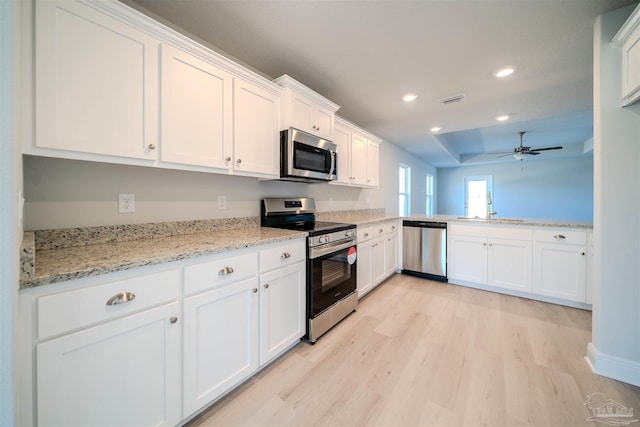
pixel 332 170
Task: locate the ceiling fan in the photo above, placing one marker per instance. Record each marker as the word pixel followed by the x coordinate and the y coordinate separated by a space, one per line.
pixel 520 152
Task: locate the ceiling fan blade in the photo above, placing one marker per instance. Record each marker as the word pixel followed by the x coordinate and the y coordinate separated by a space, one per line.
pixel 503 155
pixel 546 149
pixel 532 153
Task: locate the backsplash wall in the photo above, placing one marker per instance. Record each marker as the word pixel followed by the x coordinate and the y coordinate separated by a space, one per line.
pixel 69 193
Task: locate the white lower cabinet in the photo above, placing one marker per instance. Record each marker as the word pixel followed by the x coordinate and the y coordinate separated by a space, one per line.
pixel 282 310
pixel 493 256
pixel 377 255
pixel 124 372
pixel 550 264
pixel 236 326
pixel 220 341
pixel 145 351
pixel 560 261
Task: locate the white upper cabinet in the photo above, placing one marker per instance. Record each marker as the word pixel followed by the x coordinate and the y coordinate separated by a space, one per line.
pixel 256 113
pixel 197 105
pixel 305 109
pixel 628 38
pixel 358 156
pixel 96 83
pixel 140 93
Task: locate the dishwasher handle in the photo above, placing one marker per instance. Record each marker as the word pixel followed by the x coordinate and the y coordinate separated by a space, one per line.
pixel 424 224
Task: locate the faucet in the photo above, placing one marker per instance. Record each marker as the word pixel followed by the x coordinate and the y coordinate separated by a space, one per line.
pixel 490 211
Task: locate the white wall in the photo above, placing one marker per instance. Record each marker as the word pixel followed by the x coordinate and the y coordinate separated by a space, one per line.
pixel 67 193
pixel 615 347
pixel 541 189
pixel 10 184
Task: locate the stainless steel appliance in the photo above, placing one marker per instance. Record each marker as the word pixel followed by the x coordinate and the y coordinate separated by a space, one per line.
pixel 331 261
pixel 307 158
pixel 425 249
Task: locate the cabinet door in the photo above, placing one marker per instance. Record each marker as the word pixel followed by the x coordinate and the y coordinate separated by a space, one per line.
pixel 323 120
pixel 124 372
pixel 468 258
pixel 631 69
pixel 378 260
pixel 560 271
pixel 256 130
pixel 342 139
pixel 220 341
pixel 196 111
pixel 358 159
pixel 510 264
pixel 96 83
pixel 301 114
pixel 391 253
pixel 372 164
pixel 282 310
pixel 364 274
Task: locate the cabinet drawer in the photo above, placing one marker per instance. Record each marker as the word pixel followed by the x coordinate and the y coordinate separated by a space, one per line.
pixel 365 233
pixel 283 255
pixel 220 271
pixel 78 308
pixel 561 236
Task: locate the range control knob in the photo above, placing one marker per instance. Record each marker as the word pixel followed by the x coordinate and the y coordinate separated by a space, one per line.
pixel 348 233
pixel 323 239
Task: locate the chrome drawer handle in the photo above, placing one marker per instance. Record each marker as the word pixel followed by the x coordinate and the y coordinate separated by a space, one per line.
pixel 225 271
pixel 366 234
pixel 121 298
pixel 152 146
pixel 173 319
pixel 559 236
pixel 285 255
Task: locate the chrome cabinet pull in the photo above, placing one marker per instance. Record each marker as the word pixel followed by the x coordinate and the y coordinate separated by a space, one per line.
pixel 239 161
pixel 173 319
pixel 228 159
pixel 559 237
pixel 582 253
pixel 121 298
pixel 366 234
pixel 266 286
pixel 225 271
pixel 285 255
pixel 254 290
pixel 152 146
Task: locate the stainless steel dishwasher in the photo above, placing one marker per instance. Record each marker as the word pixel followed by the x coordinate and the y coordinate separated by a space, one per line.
pixel 425 249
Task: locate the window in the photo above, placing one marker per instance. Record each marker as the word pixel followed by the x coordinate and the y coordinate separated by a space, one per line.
pixel 477 192
pixel 405 190
pixel 429 203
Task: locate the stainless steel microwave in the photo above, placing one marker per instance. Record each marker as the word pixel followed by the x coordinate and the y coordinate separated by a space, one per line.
pixel 307 158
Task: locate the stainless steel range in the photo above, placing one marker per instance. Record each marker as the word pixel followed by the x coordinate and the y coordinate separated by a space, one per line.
pixel 331 261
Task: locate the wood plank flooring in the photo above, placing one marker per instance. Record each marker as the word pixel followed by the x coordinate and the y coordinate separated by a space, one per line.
pixel 423 353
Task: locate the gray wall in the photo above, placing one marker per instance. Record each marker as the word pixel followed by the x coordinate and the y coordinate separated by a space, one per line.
pixel 615 348
pixel 541 189
pixel 67 193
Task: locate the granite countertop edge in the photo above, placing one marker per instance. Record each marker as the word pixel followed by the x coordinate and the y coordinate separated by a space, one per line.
pixel 42 262
pixel 54 265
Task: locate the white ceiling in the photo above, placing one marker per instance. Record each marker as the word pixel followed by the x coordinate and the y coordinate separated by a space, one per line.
pixel 365 55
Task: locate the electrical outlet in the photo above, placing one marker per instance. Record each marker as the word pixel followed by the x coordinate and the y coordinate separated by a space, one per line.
pixel 222 202
pixel 126 203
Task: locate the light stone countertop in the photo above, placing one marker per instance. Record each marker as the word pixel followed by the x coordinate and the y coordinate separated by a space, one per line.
pixel 51 256
pixel 68 263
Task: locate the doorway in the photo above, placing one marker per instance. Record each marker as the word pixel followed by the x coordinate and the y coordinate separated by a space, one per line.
pixel 477 194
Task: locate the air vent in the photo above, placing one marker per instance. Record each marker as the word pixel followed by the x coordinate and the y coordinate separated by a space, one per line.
pixel 452 99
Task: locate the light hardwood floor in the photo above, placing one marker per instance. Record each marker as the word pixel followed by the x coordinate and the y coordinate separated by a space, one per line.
pixel 422 353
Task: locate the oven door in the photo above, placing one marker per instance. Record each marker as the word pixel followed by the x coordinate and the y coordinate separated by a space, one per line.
pixel 331 275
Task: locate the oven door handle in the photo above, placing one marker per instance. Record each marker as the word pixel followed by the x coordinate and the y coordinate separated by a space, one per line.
pixel 329 248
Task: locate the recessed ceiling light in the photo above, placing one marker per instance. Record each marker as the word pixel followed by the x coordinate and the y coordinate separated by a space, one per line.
pixel 409 97
pixel 502 118
pixel 435 129
pixel 504 72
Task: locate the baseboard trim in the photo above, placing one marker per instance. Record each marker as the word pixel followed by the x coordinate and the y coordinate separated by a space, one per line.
pixel 620 369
